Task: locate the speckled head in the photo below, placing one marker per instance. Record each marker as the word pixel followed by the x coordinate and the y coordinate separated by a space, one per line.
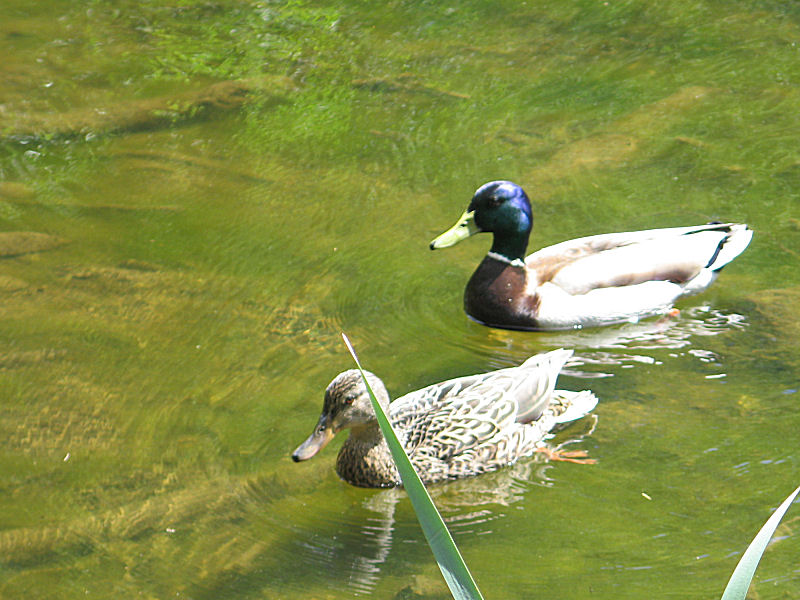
pixel 347 400
pixel 347 404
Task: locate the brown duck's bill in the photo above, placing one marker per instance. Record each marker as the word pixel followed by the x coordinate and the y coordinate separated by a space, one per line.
pixel 464 227
pixel 315 442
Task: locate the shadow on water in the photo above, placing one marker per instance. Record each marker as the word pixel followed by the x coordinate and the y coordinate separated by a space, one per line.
pixel 621 346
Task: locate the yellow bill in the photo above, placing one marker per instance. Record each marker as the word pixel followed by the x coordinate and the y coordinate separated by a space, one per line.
pixel 464 228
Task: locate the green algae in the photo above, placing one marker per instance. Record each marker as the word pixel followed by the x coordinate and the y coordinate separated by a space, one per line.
pixel 177 279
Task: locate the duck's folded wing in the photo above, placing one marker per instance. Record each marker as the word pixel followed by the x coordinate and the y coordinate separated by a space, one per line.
pixel 452 417
pixel 530 385
pixel 622 259
pixel 458 426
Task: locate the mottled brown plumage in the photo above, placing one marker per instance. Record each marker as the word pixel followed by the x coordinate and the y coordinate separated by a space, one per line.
pixel 454 429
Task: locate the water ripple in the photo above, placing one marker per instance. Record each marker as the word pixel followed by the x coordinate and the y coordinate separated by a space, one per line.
pixel 621 346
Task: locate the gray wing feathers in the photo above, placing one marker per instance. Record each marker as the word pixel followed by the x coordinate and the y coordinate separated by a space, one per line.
pixel 674 254
pixel 463 419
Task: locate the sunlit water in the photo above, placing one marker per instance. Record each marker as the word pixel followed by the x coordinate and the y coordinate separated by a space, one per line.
pixel 166 336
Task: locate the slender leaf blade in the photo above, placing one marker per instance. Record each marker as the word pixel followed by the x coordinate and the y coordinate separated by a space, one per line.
pixel 743 573
pixel 454 569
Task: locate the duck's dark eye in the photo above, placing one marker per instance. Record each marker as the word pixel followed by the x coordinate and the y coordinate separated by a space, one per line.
pixel 495 201
pixel 349 399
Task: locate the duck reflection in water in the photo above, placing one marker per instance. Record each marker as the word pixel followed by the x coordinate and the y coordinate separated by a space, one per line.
pixel 358 551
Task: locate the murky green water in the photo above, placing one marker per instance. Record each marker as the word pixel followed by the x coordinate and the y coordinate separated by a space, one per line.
pixel 220 188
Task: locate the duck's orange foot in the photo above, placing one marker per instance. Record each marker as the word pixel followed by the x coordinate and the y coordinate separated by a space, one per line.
pixel 574 456
pixel 672 313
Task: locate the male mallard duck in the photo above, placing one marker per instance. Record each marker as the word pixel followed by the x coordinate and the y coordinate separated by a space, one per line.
pixel 450 430
pixel 595 280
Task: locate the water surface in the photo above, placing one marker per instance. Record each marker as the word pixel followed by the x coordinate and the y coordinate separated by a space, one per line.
pixel 218 189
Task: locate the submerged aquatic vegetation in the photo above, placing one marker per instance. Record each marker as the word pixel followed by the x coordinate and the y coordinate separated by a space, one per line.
pixel 210 265
pixel 228 39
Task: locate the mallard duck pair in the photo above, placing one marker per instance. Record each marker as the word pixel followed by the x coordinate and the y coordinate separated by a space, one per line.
pixel 480 423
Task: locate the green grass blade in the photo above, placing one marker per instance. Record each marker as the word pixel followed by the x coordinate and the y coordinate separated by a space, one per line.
pixel 452 565
pixel 743 573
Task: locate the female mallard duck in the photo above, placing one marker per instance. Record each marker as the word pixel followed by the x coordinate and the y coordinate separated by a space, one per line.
pixel 595 280
pixel 449 430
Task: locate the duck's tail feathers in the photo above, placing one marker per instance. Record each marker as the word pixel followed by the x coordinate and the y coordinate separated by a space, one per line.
pixel 551 362
pixel 576 405
pixel 536 386
pixel 731 246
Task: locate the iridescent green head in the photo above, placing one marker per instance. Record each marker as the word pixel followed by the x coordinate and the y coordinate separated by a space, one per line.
pixel 499 207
